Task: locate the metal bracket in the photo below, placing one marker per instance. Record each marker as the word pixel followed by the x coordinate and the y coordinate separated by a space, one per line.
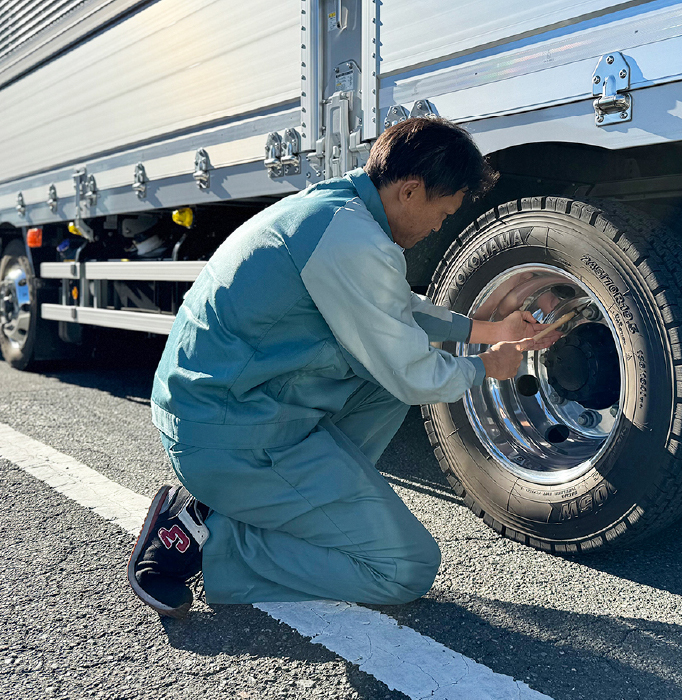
pixel 423 108
pixel 84 186
pixel 291 147
pixel 140 181
pixel 610 83
pixel 21 204
pixel 395 115
pixel 52 198
pixel 273 154
pixel 337 157
pixel 90 192
pixel 356 144
pixel 202 165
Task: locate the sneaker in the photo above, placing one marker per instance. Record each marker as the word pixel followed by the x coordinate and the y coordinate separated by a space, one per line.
pixel 167 553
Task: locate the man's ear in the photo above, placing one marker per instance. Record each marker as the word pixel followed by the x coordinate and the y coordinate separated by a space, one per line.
pixel 408 189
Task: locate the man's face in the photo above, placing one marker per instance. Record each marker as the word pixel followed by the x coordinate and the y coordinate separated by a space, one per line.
pixel 414 216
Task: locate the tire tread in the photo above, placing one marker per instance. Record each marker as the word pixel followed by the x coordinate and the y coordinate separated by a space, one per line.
pixel 653 250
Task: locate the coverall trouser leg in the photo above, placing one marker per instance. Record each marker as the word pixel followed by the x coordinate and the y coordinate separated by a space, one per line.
pixel 313 520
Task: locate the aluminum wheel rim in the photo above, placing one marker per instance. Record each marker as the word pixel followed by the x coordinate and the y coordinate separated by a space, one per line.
pixel 15 305
pixel 517 430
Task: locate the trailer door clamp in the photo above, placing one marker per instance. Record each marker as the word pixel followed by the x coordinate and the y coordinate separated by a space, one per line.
pixel 610 85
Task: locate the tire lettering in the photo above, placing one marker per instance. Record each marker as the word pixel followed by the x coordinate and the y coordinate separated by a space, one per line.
pixel 616 294
pixel 588 503
pixel 486 250
pixel 643 380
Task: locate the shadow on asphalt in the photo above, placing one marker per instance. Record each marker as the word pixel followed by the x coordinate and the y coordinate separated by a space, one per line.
pixel 122 364
pixel 656 562
pixel 566 655
pixel 242 630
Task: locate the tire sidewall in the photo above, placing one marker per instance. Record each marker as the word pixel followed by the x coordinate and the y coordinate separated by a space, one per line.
pixel 615 486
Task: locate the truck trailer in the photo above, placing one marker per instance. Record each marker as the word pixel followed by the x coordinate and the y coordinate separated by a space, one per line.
pixel 136 135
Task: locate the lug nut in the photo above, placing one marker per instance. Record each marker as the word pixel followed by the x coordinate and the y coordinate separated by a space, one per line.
pixel 592 313
pixel 614 410
pixel 589 418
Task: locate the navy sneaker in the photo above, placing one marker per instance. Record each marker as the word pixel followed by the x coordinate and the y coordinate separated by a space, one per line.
pixel 167 553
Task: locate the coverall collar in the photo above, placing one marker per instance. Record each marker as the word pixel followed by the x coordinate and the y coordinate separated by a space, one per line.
pixel 370 196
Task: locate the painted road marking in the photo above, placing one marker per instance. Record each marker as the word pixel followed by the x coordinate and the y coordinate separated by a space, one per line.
pixel 400 657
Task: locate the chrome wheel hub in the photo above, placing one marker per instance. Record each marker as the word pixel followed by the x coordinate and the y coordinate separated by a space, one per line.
pixel 15 305
pixel 552 423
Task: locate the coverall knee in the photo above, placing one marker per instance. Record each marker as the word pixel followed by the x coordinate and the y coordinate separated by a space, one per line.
pixel 313 520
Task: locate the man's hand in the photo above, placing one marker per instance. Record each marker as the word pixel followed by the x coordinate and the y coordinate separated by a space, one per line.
pixel 517 326
pixel 503 359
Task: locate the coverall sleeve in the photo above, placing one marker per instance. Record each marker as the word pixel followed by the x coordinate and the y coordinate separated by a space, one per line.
pixel 438 322
pixel 356 278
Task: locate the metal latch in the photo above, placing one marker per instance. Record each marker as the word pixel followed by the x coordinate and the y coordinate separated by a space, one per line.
pixel 610 83
pixel 90 191
pixel 291 147
pixel 202 165
pixel 21 204
pixel 52 198
pixel 85 188
pixel 273 154
pixel 140 181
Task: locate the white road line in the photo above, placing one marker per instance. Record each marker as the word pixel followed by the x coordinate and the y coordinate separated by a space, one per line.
pixel 403 659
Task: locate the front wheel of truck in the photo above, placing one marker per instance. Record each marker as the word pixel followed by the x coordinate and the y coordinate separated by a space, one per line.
pixel 583 447
pixel 18 306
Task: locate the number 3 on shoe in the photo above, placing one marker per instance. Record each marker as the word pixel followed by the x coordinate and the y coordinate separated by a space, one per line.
pixel 167 553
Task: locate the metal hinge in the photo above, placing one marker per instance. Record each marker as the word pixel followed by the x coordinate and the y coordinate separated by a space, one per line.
pixel 273 154
pixel 610 83
pixel 86 188
pixel 423 108
pixel 202 165
pixel 21 204
pixel 395 115
pixel 52 198
pixel 90 191
pixel 282 155
pixel 140 181
pixel 291 147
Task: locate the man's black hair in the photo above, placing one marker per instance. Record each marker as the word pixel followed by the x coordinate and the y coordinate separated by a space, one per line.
pixel 439 153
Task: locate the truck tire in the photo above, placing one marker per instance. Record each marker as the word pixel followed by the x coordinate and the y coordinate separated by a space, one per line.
pixel 18 306
pixel 582 449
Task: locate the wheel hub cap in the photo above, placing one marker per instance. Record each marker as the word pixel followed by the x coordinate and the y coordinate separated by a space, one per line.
pixel 583 367
pixel 15 309
pixel 554 420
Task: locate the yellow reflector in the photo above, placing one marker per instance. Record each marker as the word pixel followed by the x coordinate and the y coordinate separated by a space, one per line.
pixel 184 217
pixel 74 293
pixel 34 238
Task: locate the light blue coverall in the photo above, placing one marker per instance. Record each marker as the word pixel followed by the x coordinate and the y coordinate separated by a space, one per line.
pixel 290 366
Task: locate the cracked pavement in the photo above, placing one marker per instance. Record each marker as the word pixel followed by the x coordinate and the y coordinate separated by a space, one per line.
pixel 604 627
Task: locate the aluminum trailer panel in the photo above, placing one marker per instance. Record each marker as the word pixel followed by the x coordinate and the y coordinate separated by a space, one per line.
pixel 172 66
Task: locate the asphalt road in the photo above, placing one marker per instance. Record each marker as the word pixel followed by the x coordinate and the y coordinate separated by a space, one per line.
pixel 608 626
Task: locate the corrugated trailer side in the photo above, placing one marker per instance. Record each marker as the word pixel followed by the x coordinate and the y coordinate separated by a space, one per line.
pixel 141 85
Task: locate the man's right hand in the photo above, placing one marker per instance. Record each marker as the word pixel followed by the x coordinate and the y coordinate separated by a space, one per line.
pixel 503 359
